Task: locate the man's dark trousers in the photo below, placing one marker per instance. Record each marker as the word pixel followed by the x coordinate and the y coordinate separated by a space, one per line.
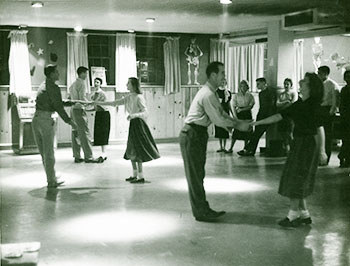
pixel 193 144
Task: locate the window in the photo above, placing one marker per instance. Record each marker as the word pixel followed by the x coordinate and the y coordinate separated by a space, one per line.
pixel 150 60
pixel 4 58
pixel 101 53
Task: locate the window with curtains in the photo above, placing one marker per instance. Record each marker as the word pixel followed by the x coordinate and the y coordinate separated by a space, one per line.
pixel 101 53
pixel 4 58
pixel 150 60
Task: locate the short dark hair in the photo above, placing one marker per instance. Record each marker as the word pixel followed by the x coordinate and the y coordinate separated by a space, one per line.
pixel 49 69
pixel 324 70
pixel 82 69
pixel 316 88
pixel 213 67
pixel 135 84
pixel 261 80
pixel 288 80
pixel 347 72
pixel 99 79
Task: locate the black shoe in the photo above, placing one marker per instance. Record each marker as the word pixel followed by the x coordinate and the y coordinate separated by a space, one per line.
pixel 287 223
pixel 55 185
pixel 229 151
pixel 100 159
pixel 221 150
pixel 131 178
pixel 93 160
pixel 245 153
pixel 78 160
pixel 138 181
pixel 210 216
pixel 306 220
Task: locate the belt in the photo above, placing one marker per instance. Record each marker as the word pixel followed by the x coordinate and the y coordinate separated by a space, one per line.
pixel 198 127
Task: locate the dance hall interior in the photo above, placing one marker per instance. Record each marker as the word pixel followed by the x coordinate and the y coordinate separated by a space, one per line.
pixel 175 132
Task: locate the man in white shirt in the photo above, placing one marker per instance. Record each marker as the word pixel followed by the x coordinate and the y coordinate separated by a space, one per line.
pixel 81 135
pixel 205 109
pixel 328 106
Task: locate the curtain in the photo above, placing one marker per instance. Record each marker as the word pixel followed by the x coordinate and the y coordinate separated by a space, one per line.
pixel 77 56
pixel 298 62
pixel 125 60
pixel 219 51
pixel 172 66
pixel 20 82
pixel 246 63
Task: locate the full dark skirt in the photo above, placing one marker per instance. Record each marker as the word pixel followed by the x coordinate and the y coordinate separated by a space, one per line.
pixel 101 128
pixel 141 146
pixel 221 133
pixel 298 177
pixel 240 135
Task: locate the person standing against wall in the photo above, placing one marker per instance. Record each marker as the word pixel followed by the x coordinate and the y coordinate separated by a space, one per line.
pixel 328 106
pixel 267 107
pixel 48 101
pixel 81 135
pixel 344 108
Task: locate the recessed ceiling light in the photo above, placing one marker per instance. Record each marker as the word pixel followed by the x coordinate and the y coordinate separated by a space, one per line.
pixel 131 31
pixel 225 2
pixel 78 28
pixel 37 4
pixel 150 20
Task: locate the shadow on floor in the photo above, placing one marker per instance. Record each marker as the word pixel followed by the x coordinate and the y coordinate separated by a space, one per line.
pixel 67 194
pixel 250 219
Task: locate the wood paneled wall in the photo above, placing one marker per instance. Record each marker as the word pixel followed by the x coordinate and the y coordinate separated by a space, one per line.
pixel 166 114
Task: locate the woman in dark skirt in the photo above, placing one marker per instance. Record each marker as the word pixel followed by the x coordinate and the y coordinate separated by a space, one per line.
pixel 141 146
pixel 243 103
pixel 221 133
pixel 102 119
pixel 307 149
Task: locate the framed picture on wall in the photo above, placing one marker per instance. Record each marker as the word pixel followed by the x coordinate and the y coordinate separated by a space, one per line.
pixel 98 72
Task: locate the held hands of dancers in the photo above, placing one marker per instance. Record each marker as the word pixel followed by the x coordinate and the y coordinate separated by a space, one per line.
pixel 243 125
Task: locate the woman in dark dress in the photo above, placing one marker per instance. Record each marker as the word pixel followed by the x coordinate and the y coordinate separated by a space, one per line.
pixel 243 103
pixel 221 133
pixel 298 177
pixel 102 119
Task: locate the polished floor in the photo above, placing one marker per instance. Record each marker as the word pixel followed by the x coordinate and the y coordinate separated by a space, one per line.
pixel 99 219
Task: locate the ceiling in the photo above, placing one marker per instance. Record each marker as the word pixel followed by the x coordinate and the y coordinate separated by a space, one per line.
pixel 196 16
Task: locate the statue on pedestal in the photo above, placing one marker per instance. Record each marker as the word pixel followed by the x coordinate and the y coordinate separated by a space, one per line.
pixel 193 53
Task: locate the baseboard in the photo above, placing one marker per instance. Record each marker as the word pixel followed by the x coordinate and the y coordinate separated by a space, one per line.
pixel 5 146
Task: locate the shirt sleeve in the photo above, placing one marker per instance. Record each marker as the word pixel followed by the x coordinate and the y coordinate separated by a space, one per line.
pixel 217 115
pixel 234 101
pixel 55 97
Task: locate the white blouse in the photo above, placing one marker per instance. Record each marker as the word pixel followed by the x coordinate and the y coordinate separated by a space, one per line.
pixel 135 105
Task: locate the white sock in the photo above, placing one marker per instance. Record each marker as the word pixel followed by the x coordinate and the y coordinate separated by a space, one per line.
pixel 304 214
pixel 134 173
pixel 292 215
pixel 140 175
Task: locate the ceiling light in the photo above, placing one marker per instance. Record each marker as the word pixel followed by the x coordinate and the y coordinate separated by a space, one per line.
pixel 131 31
pixel 78 28
pixel 225 2
pixel 150 20
pixel 37 4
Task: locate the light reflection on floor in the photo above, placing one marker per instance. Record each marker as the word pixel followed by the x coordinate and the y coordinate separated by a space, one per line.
pixel 118 226
pixel 218 185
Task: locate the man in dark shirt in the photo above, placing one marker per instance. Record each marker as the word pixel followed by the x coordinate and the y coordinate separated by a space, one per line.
pixel 267 107
pixel 344 108
pixel 48 101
